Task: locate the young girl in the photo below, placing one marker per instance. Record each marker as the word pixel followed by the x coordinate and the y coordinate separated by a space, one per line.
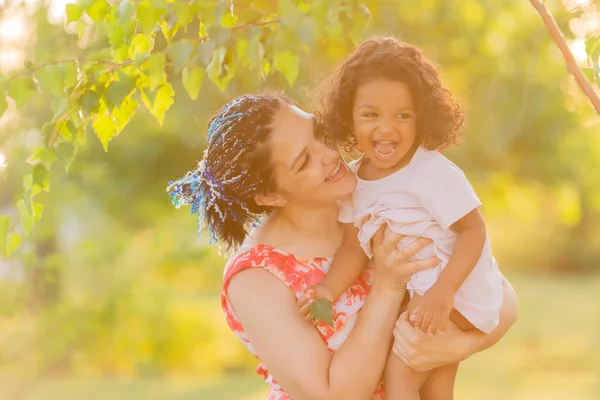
pixel 387 100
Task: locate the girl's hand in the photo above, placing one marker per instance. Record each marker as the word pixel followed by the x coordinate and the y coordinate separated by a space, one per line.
pixel 431 313
pixel 392 267
pixel 423 352
pixel 313 293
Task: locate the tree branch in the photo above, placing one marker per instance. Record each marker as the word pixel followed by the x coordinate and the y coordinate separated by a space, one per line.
pixel 572 65
pixel 72 60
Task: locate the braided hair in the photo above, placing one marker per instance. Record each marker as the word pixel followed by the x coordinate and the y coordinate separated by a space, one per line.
pixel 235 167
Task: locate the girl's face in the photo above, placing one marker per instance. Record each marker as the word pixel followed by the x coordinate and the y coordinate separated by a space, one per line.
pixel 384 122
pixel 307 172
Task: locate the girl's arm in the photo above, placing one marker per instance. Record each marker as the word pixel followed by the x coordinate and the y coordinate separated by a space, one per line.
pixel 432 312
pixel 292 349
pixel 424 352
pixel 467 251
pixel 347 264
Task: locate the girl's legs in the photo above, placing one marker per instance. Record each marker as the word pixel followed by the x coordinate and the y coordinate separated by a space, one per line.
pixel 440 383
pixel 400 381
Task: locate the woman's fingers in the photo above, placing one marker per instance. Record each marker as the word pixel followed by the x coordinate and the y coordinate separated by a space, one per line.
pixel 421 265
pixel 377 238
pixel 443 324
pixel 406 252
pixel 390 241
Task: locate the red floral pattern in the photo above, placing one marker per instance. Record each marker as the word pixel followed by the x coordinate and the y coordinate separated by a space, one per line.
pixel 298 273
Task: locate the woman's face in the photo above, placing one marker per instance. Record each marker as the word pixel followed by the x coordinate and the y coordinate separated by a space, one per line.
pixel 307 172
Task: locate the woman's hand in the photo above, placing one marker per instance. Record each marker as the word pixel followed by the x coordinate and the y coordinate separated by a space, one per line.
pixel 392 267
pixel 424 352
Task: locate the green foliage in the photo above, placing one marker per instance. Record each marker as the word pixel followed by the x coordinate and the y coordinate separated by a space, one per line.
pixel 322 310
pixel 142 47
pixel 592 48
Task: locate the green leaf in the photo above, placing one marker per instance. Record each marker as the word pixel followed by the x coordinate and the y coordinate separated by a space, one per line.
pixel 219 35
pixel 105 128
pixel 589 73
pixel 80 29
pixel 28 64
pixel 38 211
pixel 3 104
pixel 66 130
pixel 287 63
pixel 229 20
pixel 118 90
pixel 41 177
pixel 27 181
pixel 179 53
pixel 183 13
pixel 4 225
pixel 74 12
pixel 592 47
pixel 13 243
pixel 50 80
pixel 89 102
pixel 169 29
pixel 65 152
pixel 125 11
pixel 162 102
pixel 98 10
pixel 322 310
pixel 116 36
pixel 21 89
pixel 219 71
pixel 306 32
pixel 140 46
pixel 25 217
pixel 124 113
pixel 192 78
pixel 148 16
pixel 204 52
pixel 40 154
pixel 156 69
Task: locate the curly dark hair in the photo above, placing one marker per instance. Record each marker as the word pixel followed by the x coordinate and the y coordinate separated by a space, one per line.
pixel 439 117
pixel 235 168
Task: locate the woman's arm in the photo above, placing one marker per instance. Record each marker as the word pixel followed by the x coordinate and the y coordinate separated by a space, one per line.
pixel 293 350
pixel 424 352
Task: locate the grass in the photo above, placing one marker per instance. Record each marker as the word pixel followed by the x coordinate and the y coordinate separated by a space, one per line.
pixel 553 352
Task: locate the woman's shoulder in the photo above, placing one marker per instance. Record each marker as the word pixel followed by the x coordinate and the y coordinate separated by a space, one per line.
pixel 294 271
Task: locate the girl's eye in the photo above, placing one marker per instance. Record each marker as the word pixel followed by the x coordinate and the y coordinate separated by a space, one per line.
pixel 404 116
pixel 370 115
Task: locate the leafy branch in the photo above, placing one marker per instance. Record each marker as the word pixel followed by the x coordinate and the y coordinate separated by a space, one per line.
pixel 572 65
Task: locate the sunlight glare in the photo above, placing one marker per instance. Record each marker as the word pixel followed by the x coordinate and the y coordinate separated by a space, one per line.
pixel 578 49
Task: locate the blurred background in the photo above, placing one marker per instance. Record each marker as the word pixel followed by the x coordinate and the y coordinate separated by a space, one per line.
pixel 112 297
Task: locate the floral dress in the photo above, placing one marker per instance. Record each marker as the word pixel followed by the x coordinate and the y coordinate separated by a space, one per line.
pixel 297 273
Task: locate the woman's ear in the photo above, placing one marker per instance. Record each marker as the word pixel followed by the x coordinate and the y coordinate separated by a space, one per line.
pixel 270 200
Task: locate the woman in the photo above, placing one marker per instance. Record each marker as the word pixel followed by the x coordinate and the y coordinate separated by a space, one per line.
pixel 264 157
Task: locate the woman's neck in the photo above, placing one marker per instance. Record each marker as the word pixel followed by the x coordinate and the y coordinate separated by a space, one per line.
pixel 303 231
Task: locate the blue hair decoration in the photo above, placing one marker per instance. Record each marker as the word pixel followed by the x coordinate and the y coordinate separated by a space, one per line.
pixel 200 190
